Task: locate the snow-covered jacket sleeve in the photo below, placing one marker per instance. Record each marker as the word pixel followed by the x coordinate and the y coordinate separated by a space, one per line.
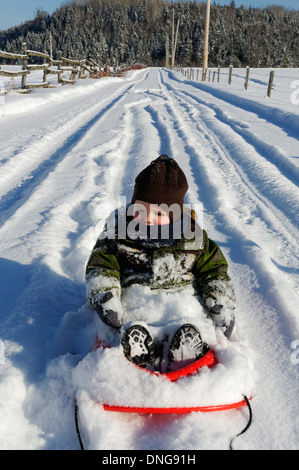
pixel 214 284
pixel 103 283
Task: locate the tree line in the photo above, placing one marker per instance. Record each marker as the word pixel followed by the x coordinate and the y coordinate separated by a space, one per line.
pixel 119 32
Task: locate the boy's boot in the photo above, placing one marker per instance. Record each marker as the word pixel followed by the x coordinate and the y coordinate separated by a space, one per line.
pixel 186 346
pixel 138 346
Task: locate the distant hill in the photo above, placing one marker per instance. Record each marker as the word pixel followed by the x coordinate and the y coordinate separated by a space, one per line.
pixel 130 31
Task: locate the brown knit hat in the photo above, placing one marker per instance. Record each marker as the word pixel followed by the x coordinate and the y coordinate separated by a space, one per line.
pixel 162 182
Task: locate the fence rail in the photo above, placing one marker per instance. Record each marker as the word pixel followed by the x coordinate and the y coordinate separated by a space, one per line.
pixel 77 68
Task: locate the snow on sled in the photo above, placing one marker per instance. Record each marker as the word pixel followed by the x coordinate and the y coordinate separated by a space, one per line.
pixel 209 360
pixel 216 382
pixel 221 380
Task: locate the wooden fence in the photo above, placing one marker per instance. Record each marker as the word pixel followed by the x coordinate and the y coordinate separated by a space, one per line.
pixel 77 68
pixel 209 75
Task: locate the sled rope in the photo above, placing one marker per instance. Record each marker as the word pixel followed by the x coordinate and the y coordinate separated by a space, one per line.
pixel 247 425
pixel 77 426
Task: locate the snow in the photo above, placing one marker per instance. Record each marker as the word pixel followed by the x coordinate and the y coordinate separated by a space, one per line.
pixel 67 154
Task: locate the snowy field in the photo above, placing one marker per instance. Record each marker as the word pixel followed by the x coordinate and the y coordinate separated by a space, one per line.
pixel 67 154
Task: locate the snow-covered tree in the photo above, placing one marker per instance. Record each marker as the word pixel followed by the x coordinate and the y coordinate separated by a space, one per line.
pixel 121 31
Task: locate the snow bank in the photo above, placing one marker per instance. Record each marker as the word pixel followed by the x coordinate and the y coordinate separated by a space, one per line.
pixel 16 102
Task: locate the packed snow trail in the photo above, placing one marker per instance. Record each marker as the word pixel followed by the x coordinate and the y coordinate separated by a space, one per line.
pixel 65 159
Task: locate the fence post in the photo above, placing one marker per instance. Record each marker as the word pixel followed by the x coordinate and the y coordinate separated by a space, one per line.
pixel 230 74
pixel 48 63
pixel 73 73
pixel 24 65
pixel 270 84
pixel 247 78
pixel 82 67
pixel 218 77
pixel 59 79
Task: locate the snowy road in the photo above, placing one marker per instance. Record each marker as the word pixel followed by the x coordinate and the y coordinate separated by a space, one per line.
pixel 66 157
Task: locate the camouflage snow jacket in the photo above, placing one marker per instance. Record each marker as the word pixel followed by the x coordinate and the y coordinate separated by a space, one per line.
pixel 116 263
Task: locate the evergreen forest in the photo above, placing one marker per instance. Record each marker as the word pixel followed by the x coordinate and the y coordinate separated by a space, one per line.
pixel 119 32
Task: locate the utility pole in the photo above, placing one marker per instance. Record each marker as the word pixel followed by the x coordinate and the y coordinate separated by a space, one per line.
pixel 51 47
pixel 206 43
pixel 167 51
pixel 175 43
pixel 174 38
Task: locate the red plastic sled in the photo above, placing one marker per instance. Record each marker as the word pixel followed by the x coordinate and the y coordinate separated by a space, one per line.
pixel 208 360
pixel 182 410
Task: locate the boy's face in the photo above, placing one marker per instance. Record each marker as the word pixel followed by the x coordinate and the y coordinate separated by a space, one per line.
pixel 150 214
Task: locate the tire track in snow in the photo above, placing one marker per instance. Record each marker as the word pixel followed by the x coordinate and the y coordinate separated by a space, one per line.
pixel 255 157
pixel 263 185
pixel 271 153
pixel 288 123
pixel 50 178
pixel 165 128
pixel 107 150
pixel 15 191
pixel 278 197
pixel 142 148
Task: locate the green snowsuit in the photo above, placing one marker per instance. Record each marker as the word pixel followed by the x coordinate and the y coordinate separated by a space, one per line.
pixel 115 264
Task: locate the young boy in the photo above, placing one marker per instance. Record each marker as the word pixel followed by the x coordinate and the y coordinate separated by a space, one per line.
pixel 167 260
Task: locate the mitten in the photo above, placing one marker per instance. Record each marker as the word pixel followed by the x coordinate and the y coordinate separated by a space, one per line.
pixel 108 307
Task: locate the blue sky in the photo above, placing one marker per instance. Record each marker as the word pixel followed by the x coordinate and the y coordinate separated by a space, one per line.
pixel 14 12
